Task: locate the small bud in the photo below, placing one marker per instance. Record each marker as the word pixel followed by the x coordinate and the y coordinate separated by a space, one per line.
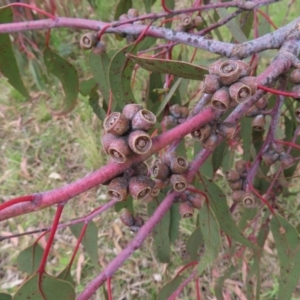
pixel 88 41
pixel 295 76
pixel 237 185
pixel 197 22
pixel 178 182
pixel 129 110
pixel 211 83
pixel 232 175
pixel 160 171
pixel 196 200
pixel 241 167
pixel 179 165
pixel 258 123
pixel 237 195
pixel 116 123
pixel 249 200
pixel 186 20
pixel 185 210
pixel 175 110
pixel 127 217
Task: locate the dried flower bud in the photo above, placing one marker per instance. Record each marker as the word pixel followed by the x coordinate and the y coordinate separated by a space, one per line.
pixel 211 83
pixel 118 188
pixel 185 210
pixel 249 200
pixel 116 123
pixel 251 82
pixel 119 150
pixel 229 72
pixel 214 68
pixel 140 187
pixel 107 139
pixel 175 110
pixel 221 99
pixel 210 143
pixel 179 165
pixel 196 200
pixel 240 92
pixel 197 22
pixel 178 182
pixel 140 142
pixel 161 184
pixel 160 171
pixel 237 195
pixel 232 175
pixel 138 221
pixel 168 157
pixel 123 17
pixel 88 41
pixel 127 217
pixel 186 20
pixel 295 76
pixel 258 123
pixel 129 110
pixel 241 167
pixel 132 13
pixel 270 157
pixel 140 169
pixel 244 68
pixel 202 133
pixel 237 185
pixel 143 120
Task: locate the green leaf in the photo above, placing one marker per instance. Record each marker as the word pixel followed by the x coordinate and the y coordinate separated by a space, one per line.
pixel 86 86
pixel 247 215
pixel 246 130
pixel 177 68
pixel 161 232
pixel 29 259
pixel 288 247
pixel 4 296
pixel 246 19
pixel 89 240
pixel 99 64
pixel 125 204
pixel 220 282
pixel 148 4
pixel 8 63
pixel 168 97
pixel 122 8
pixel 65 275
pixel 219 206
pixel 68 77
pixel 169 288
pixel 295 153
pixel 193 243
pixel 120 71
pixel 218 155
pixel 211 236
pixel 170 4
pixel 174 222
pixel 51 289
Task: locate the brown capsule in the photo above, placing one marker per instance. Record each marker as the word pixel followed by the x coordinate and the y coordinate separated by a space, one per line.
pixel 239 92
pixel 249 200
pixel 253 111
pixel 296 90
pixel 161 184
pixel 88 41
pixel 211 83
pixel 244 68
pixel 118 188
pixel 197 22
pixel 119 150
pixel 127 217
pixel 185 210
pixel 295 76
pixel 132 13
pixel 123 17
pixel 129 110
pixel 237 195
pixel 237 185
pixel 175 110
pixel 179 165
pixel 221 99
pixel 251 82
pixel 116 123
pixel 226 130
pixel 107 139
pixel 214 68
pixel 286 160
pixel 196 200
pixel 143 120
pixel 160 171
pixel 270 157
pixel 229 72
pixel 210 143
pixel 241 167
pixel 202 133
pixel 297 114
pixel 262 103
pixel 138 221
pixel 140 187
pixel 139 142
pixel 186 20
pixel 258 123
pixel 232 175
pixel 178 182
pixel 184 111
pixel 168 157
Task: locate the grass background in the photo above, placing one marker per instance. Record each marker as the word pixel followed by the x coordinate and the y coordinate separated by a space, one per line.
pixel 39 152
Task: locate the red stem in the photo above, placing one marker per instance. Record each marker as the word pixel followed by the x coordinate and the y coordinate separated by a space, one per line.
pixel 267 18
pixel 29 198
pixel 277 92
pixel 192 263
pixel 109 292
pixel 198 288
pixel 165 8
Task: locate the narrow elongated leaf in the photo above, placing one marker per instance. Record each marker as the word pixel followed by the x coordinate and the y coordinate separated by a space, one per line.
pixel 148 4
pixel 218 155
pixel 220 282
pixel 246 130
pixel 65 275
pixel 128 204
pixel 67 75
pixel 122 8
pixel 99 64
pixel 174 222
pixel 170 4
pixel 89 240
pixel 8 62
pixel 193 244
pixel 4 296
pixel 288 247
pixel 211 236
pixel 120 71
pixel 169 288
pixel 51 289
pixel 29 259
pixel 161 233
pixel 219 206
pixel 177 68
